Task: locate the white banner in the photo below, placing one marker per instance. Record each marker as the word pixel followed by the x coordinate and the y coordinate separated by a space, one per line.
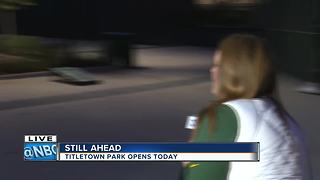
pixel 158 156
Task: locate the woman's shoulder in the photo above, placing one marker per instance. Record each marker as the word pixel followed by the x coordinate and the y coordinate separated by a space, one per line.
pixel 224 126
pixel 241 102
pixel 225 110
pixel 252 106
pixel 225 115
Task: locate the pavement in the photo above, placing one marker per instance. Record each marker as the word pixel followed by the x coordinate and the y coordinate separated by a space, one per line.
pixel 149 103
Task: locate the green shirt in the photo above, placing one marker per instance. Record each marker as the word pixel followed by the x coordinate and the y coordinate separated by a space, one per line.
pixel 225 130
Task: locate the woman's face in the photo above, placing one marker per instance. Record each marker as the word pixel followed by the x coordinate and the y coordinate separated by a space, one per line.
pixel 214 71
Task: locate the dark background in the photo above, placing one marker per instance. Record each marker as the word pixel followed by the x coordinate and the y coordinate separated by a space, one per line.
pixel 291 26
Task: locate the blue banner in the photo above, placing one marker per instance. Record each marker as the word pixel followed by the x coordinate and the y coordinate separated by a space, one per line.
pixel 160 147
pixel 40 151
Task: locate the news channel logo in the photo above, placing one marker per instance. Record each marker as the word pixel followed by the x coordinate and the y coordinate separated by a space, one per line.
pixel 40 148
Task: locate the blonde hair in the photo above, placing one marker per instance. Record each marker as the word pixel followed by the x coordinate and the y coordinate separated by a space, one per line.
pixel 245 71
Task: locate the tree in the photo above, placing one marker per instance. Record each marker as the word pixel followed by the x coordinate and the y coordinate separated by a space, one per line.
pixel 8 14
pixel 15 4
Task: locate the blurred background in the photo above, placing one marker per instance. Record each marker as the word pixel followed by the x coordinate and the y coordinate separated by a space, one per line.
pixel 93 70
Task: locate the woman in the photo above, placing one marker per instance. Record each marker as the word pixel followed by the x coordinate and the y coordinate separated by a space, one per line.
pixel 245 109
